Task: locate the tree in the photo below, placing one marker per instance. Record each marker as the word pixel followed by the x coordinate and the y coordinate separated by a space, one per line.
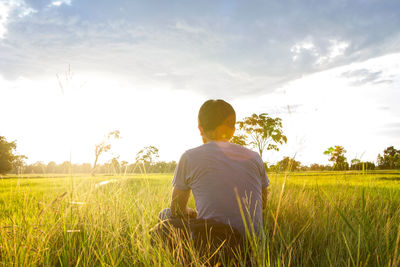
pixel 337 157
pixel 261 132
pixel 7 156
pixel 148 154
pixel 239 139
pixel 104 146
pixel 51 167
pixel 116 165
pixel 390 158
pixel 124 166
pixel 355 162
pixel 288 164
pixel 358 165
pixel 39 167
pixel 84 168
pixel 19 164
pixel 318 167
pixel 163 167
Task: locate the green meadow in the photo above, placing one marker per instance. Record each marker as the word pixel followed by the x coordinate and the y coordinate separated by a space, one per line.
pixel 313 219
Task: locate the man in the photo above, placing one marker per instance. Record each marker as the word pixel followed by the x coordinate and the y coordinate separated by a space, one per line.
pixel 228 181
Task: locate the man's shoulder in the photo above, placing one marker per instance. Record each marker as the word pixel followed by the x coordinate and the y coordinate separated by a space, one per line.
pixel 192 152
pixel 226 146
pixel 244 149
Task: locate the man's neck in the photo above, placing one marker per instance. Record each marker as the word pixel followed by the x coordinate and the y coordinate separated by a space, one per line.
pixel 208 140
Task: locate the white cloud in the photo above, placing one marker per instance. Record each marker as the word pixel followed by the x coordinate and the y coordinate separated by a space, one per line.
pixel 4 14
pixel 335 49
pixel 302 46
pixel 228 54
pixel 60 2
pixel 321 54
pixel 9 8
pixel 181 25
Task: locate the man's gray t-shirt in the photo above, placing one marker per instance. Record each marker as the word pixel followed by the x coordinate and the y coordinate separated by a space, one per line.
pixel 218 173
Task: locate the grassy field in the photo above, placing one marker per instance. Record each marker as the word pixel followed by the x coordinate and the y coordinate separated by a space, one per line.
pixel 313 219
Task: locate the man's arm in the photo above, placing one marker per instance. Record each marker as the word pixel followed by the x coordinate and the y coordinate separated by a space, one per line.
pixel 179 203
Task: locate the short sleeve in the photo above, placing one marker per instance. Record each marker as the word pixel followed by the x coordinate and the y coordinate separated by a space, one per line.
pixel 263 174
pixel 180 176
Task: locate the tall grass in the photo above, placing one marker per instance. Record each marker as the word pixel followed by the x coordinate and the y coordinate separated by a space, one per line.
pixel 316 219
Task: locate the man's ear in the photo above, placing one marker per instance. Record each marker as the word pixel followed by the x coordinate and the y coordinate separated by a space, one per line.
pixel 202 133
pixel 201 130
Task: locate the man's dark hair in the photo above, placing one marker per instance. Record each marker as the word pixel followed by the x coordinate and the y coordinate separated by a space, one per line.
pixel 214 113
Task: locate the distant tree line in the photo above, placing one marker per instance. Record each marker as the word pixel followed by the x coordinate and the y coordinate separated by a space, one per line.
pixel 146 161
pixel 112 167
pixel 258 131
pixel 390 159
pixel 289 164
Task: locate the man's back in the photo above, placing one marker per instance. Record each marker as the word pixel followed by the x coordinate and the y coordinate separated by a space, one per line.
pixel 218 173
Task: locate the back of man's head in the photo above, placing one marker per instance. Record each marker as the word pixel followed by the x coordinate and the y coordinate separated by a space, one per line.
pixel 215 113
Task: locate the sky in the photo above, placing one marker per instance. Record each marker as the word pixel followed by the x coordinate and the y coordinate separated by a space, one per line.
pixel 71 71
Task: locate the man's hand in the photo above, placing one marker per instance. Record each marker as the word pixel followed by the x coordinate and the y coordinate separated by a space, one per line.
pixel 191 213
pixel 179 204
